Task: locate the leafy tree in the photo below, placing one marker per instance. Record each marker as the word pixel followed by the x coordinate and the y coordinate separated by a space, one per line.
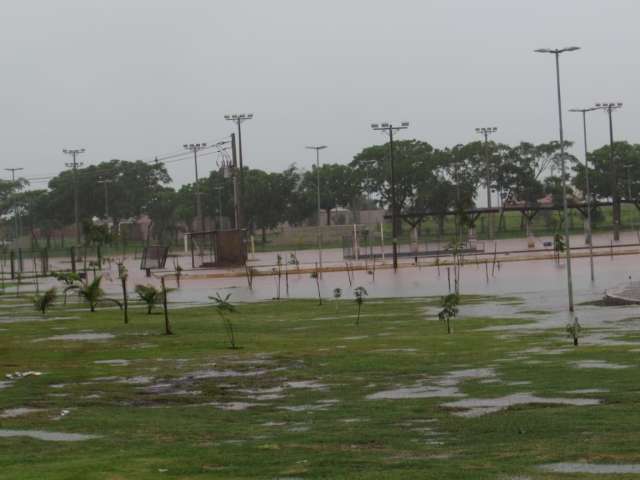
pixel 339 187
pixel 413 162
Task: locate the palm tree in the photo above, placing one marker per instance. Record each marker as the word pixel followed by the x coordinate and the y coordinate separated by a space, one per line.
pixel 359 293
pixel 45 300
pixel 149 295
pixel 224 307
pixel 449 309
pixel 92 293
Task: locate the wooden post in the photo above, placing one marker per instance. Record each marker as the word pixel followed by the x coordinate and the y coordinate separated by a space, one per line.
pixel 12 261
pixel 125 299
pixel 167 326
pixel 449 278
pixel 72 251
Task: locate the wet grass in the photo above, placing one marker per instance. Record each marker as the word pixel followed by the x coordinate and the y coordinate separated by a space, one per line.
pixel 161 415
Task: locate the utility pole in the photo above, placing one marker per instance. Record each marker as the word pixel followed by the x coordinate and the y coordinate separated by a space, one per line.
pixel 106 182
pixel 589 236
pixel 389 129
pixel 486 131
pixel 238 118
pixel 195 148
pixel 317 149
pixel 74 152
pixel 613 165
pixel 16 232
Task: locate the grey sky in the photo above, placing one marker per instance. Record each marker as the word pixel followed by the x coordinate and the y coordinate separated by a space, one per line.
pixel 131 79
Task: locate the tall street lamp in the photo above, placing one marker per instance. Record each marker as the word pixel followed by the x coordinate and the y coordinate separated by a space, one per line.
pixel 556 53
pixel 195 148
pixel 587 187
pixel 485 132
pixel 613 164
pixel 389 129
pixel 74 152
pixel 317 148
pixel 16 232
pixel 238 118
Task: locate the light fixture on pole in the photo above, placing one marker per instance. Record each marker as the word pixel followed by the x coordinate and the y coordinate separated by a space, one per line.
pixel 195 148
pixel 74 152
pixel 238 118
pixel 587 186
pixel 485 132
pixel 317 149
pixel 610 107
pixel 556 53
pixel 389 129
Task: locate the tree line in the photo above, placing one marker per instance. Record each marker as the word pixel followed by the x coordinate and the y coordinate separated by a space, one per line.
pixel 427 179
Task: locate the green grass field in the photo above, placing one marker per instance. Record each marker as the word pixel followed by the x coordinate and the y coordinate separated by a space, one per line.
pixel 293 402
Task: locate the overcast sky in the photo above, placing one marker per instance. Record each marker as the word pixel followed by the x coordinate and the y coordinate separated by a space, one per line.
pixel 131 79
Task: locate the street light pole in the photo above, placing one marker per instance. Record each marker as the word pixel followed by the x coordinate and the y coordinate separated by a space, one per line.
pixel 389 129
pixel 556 53
pixel 16 232
pixel 195 148
pixel 106 183
pixel 74 165
pixel 485 132
pixel 238 118
pixel 613 164
pixel 317 149
pixel 589 238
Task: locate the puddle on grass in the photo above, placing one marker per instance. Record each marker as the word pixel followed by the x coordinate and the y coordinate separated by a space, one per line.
pixel 587 391
pixel 603 364
pixel 47 436
pixel 19 412
pixel 113 363
pixel 476 407
pixel 202 374
pixel 86 337
pixel 425 391
pixel 443 386
pixel 595 468
pixel 309 384
pixel 234 406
